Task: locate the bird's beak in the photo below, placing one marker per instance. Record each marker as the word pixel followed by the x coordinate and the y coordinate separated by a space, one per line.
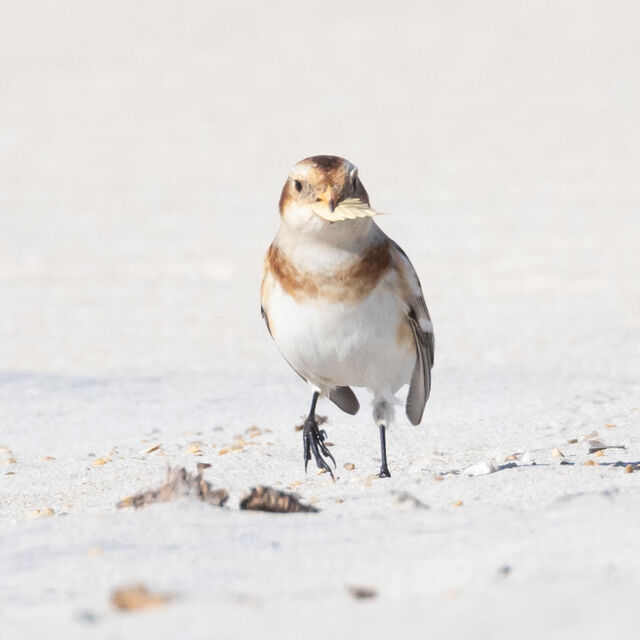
pixel 330 197
pixel 332 206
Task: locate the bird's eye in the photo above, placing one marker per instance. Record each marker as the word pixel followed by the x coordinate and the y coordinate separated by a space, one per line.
pixel 298 185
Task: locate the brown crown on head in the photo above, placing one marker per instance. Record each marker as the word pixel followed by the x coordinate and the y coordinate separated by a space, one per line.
pixel 320 172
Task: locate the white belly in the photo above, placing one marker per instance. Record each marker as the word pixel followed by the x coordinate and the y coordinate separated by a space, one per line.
pixel 343 344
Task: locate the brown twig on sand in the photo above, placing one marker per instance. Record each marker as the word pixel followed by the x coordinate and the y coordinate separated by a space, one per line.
pixel 598 445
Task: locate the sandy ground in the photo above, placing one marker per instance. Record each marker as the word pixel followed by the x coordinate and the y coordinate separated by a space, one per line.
pixel 142 150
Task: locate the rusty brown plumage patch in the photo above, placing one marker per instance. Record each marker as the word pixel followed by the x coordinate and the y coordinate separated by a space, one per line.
pixel 285 196
pixel 327 164
pixel 350 283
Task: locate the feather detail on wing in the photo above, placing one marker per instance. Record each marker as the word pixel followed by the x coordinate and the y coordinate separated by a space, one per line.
pixel 266 319
pixel 422 330
pixel 345 399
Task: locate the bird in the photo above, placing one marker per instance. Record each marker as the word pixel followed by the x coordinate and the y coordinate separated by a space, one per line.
pixel 343 303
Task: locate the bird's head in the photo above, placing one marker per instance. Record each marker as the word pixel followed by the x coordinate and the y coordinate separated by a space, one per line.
pixel 322 191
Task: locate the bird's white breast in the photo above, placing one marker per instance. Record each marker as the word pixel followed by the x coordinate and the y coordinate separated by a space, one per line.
pixel 334 343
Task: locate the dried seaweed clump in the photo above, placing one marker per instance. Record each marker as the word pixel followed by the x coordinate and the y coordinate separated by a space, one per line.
pixel 179 483
pixel 268 499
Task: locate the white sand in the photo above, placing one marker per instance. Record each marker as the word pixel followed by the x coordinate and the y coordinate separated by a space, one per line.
pixel 142 150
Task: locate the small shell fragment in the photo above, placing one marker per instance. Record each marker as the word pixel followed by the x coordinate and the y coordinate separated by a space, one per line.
pixel 556 453
pixel 152 448
pixel 349 466
pixel 481 468
pixel 457 503
pixel 599 453
pixel 527 458
pixel 194 448
pixel 572 441
pixel 628 468
pixel 47 458
pixel 590 463
pixel 138 597
pixel 610 426
pixel 100 461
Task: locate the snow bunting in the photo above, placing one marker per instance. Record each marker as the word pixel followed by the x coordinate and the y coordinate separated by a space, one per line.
pixel 343 303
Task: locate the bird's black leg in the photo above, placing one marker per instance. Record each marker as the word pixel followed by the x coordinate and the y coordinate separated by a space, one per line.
pixel 384 470
pixel 313 440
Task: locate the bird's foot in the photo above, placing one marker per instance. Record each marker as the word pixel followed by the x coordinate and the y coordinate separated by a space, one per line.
pixel 313 442
pixel 384 472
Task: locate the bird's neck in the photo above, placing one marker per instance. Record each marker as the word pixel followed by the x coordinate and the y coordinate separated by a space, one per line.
pixel 338 243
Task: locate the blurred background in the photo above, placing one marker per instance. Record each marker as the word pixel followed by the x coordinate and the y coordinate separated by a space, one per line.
pixel 143 147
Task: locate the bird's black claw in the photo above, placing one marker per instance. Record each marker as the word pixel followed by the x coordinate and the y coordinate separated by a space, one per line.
pixel 384 472
pixel 313 442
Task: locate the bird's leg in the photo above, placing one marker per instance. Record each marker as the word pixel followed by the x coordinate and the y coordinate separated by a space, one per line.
pixel 382 414
pixel 384 470
pixel 313 440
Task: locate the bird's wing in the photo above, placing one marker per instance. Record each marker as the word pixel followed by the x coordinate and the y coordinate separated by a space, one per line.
pixel 422 329
pixel 263 313
pixel 345 399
